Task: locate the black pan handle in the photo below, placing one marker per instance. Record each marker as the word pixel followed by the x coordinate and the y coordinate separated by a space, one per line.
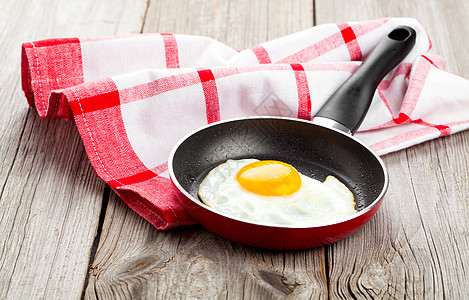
pixel 349 104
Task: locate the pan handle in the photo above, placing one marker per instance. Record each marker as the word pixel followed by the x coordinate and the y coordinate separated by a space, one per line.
pixel 348 106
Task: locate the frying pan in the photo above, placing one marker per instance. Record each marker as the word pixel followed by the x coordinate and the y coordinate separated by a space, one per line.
pixel 323 147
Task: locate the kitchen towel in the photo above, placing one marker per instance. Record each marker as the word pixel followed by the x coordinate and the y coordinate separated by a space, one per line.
pixel 133 97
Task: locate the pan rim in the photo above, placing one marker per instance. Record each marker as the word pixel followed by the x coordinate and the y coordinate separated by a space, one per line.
pixel 199 203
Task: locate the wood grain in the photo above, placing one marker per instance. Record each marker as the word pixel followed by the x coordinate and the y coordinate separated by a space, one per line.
pixel 417 245
pixel 239 24
pixel 57 216
pixel 136 261
pixel 50 196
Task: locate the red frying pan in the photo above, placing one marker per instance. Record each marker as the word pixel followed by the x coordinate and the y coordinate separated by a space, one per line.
pixel 320 148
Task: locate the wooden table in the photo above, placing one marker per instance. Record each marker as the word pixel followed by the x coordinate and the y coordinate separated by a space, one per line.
pixel 64 234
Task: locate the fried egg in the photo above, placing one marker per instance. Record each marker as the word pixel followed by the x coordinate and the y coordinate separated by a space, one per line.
pixel 274 193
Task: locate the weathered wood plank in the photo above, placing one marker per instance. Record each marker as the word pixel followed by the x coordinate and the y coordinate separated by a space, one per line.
pixel 50 198
pixel 239 24
pixel 417 244
pixel 134 260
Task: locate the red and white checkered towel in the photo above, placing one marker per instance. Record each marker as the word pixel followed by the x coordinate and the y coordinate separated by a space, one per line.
pixel 133 97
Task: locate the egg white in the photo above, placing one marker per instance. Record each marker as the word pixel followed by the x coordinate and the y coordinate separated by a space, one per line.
pixel 315 203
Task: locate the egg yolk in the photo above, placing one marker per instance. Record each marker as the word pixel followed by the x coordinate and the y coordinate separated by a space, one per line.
pixel 269 178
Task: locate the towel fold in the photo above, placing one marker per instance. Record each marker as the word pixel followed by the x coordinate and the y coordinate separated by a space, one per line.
pixel 132 97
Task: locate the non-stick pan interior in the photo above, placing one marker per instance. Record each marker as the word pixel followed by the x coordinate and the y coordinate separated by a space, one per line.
pixel 313 150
